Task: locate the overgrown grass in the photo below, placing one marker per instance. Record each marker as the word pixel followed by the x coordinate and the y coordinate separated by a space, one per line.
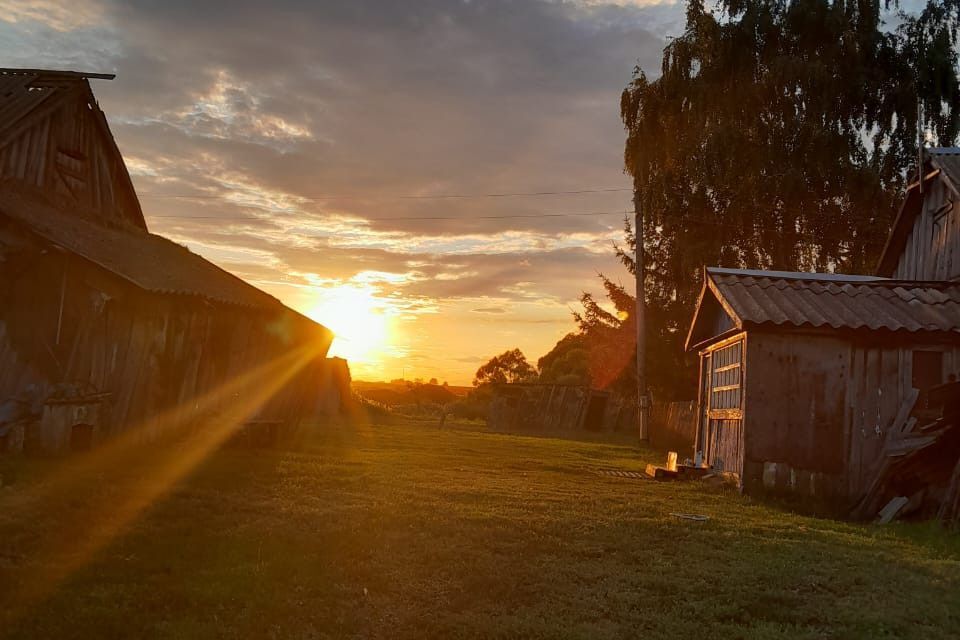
pixel 412 532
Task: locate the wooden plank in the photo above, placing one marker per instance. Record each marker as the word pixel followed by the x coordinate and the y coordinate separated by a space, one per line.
pixel 725 414
pixel 890 511
pixel 903 446
pixel 47 73
pixel 899 423
pixel 889 398
pixel 873 434
pixel 858 420
pixel 909 426
pixel 661 473
pixel 726 342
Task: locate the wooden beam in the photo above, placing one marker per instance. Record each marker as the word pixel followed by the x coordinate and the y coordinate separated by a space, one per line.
pixel 54 72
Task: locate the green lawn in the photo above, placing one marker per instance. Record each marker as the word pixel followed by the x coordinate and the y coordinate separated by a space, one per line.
pixel 411 532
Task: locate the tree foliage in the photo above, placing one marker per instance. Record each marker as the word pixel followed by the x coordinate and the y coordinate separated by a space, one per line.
pixel 567 362
pixel 778 136
pixel 610 336
pixel 509 366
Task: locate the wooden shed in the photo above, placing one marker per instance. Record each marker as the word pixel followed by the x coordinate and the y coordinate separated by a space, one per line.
pixel 92 300
pixel 803 373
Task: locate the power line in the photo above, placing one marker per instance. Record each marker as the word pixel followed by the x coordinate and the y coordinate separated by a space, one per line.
pixel 698 220
pixel 410 218
pixel 444 196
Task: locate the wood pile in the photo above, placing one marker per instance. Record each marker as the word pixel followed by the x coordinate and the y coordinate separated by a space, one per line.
pixel 919 472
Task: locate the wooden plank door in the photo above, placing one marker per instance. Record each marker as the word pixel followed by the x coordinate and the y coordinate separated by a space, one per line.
pixel 724 416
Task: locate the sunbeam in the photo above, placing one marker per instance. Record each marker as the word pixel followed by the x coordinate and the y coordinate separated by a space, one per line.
pixel 71 548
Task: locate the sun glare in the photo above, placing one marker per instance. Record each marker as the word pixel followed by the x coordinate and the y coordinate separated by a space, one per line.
pixel 357 318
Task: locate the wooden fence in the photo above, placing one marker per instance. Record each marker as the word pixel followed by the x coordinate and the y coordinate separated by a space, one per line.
pixel 673 426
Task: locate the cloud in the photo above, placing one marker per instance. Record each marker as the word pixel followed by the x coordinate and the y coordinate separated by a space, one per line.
pixel 59 16
pixel 313 139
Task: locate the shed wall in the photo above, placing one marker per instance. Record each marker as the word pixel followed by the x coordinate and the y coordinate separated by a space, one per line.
pixel 881 378
pixel 794 411
pixel 818 407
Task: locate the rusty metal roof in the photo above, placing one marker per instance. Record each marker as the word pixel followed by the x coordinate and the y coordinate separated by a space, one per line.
pixel 148 261
pixel 832 301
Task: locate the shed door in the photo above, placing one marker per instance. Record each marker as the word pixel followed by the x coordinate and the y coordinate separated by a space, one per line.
pixel 723 372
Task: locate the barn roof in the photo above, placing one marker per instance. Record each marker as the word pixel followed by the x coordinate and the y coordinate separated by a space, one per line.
pixel 146 260
pixel 941 163
pixel 817 300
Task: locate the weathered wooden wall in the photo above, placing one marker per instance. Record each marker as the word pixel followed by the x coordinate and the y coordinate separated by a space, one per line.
pixel 817 407
pixel 794 411
pixel 54 136
pixel 881 378
pixel 149 351
pixel 932 250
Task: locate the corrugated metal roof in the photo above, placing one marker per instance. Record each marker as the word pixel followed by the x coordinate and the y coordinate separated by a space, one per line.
pixel 838 302
pixel 794 275
pixel 149 261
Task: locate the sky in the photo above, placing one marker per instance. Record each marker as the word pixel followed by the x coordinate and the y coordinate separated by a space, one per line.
pixel 315 149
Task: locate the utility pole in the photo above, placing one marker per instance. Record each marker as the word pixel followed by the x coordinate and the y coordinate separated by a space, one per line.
pixel 920 147
pixel 643 408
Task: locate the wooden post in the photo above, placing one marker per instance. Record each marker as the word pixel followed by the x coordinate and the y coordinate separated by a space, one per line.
pixel 643 408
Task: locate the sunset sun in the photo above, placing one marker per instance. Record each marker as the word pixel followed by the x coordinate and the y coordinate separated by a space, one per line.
pixel 358 319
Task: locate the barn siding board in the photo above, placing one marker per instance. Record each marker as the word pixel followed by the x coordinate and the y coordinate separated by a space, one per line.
pixel 868 438
pixel 890 398
pixel 849 409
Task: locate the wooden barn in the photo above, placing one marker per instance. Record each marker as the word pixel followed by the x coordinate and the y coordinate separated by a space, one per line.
pixel 105 325
pixel 806 378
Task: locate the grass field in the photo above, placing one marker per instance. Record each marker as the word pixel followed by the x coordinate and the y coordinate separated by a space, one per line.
pixel 411 532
